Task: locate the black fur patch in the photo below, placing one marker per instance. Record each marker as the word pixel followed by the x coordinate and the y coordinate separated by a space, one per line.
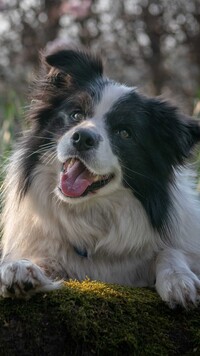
pixel 158 141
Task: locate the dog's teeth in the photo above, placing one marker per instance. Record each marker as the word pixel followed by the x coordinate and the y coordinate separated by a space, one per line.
pixel 99 177
pixel 70 163
pixel 96 178
pixel 73 160
pixel 64 167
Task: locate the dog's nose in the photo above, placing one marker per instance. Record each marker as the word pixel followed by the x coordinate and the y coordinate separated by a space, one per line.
pixel 83 139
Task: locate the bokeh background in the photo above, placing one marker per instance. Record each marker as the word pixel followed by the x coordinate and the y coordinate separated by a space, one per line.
pixel 151 44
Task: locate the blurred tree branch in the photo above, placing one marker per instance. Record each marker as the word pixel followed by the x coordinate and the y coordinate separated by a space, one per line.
pixel 147 43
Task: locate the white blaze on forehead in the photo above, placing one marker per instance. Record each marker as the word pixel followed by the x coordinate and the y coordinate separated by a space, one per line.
pixel 111 94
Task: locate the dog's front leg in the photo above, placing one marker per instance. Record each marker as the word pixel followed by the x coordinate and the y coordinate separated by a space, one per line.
pixel 23 278
pixel 175 281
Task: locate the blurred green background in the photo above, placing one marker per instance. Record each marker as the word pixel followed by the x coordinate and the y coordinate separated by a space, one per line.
pixel 151 44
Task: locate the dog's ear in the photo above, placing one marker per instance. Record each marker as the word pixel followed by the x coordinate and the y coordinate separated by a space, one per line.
pixel 186 136
pixel 81 66
pixel 174 133
pixel 194 130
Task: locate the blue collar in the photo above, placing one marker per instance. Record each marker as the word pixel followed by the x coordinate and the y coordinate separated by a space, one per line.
pixel 81 252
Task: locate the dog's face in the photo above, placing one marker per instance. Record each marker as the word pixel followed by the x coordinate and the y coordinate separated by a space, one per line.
pixel 106 136
pixel 90 165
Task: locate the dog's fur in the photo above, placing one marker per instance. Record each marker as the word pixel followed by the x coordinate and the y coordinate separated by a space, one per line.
pixel 142 228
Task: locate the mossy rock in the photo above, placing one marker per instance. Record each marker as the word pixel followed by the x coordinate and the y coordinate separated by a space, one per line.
pixel 92 318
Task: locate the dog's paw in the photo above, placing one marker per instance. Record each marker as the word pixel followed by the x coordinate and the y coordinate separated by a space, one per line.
pixel 21 279
pixel 179 288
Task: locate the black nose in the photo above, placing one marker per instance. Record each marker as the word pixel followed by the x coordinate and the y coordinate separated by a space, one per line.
pixel 83 139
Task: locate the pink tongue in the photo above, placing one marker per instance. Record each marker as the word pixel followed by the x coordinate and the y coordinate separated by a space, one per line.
pixel 75 180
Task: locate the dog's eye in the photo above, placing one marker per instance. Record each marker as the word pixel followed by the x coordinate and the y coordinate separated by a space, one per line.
pixel 77 116
pixel 123 133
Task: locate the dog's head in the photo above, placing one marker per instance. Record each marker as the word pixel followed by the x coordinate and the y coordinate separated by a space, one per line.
pixel 106 135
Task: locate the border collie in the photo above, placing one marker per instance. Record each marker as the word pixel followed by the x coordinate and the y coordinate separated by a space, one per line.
pixel 97 188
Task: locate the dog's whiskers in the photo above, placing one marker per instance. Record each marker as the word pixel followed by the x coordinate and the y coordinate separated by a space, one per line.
pixel 46 137
pixel 135 172
pixel 50 158
pixel 48 144
pixel 134 188
pixel 42 150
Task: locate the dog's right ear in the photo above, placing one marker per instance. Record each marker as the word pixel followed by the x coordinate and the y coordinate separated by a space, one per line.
pixel 81 66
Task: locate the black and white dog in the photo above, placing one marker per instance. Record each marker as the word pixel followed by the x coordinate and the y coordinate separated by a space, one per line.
pixel 97 188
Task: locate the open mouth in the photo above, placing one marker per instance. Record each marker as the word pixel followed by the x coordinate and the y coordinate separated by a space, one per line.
pixel 77 181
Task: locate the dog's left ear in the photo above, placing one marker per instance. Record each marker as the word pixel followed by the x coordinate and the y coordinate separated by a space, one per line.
pixel 81 66
pixel 187 135
pixel 194 130
pixel 173 133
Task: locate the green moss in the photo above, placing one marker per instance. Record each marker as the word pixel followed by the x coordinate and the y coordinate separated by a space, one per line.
pixel 92 318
